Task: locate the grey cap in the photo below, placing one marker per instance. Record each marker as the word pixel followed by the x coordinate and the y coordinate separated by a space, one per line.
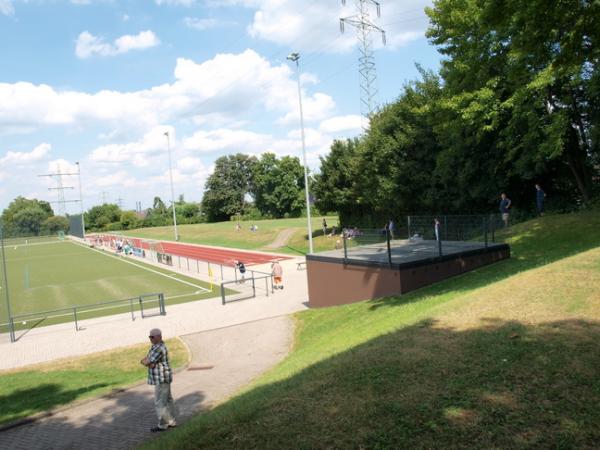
pixel 155 332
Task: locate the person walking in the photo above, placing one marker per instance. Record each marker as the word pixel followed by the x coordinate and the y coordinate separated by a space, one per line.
pixel 540 196
pixel 504 207
pixel 277 272
pixel 160 375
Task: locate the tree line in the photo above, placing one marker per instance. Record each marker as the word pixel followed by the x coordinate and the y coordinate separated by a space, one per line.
pixel 515 102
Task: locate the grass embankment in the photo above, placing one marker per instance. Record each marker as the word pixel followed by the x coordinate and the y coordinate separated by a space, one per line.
pixel 503 357
pixel 40 387
pixel 224 234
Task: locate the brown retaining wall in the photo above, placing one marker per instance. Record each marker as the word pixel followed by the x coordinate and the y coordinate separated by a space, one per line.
pixel 332 282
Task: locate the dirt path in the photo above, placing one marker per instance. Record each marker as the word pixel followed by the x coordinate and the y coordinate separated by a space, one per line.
pixel 223 361
pixel 282 238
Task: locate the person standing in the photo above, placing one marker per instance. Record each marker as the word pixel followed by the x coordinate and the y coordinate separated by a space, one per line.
pixel 160 375
pixel 436 227
pixel 505 205
pixel 540 196
pixel 324 227
pixel 391 228
pixel 277 272
pixel 242 270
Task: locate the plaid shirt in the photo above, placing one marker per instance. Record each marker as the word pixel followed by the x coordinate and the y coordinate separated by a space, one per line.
pixel 161 373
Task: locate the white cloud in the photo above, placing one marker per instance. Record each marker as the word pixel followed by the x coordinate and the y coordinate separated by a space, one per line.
pixel 175 2
pixel 138 154
pixel 205 23
pixel 89 45
pixel 336 124
pixel 314 26
pixel 6 7
pixel 226 88
pixel 20 158
pixel 230 141
pixel 81 2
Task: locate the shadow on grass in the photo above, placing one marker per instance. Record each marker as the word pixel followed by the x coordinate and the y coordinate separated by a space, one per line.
pixel 20 403
pixel 295 250
pixel 533 244
pixel 122 420
pixel 502 385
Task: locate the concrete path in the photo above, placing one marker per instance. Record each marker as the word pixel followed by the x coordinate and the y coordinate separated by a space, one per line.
pixel 223 360
pixel 104 333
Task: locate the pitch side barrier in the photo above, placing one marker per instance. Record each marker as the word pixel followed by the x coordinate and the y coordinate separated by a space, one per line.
pixel 246 287
pixel 435 235
pixel 148 305
pixel 144 248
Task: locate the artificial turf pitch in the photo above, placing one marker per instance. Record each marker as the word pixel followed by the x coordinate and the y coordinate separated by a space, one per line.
pixel 50 274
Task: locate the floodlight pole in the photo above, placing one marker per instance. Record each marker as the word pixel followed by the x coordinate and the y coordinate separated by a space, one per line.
pixel 80 199
pixel 172 191
pixel 11 329
pixel 295 57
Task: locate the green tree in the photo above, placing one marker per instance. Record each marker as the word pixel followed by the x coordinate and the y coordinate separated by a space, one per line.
pixel 26 223
pixel 29 220
pixel 55 224
pixel 158 215
pixel 98 217
pixel 333 187
pixel 130 220
pixel 227 187
pixel 277 186
pixel 522 81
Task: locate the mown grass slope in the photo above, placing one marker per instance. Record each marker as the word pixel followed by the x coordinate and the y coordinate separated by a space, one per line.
pixel 503 357
pixel 224 234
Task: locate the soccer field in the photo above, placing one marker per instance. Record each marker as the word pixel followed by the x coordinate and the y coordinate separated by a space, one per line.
pixel 52 274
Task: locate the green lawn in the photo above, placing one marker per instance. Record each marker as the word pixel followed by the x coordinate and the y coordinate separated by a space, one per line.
pixel 40 387
pixel 503 357
pixel 59 274
pixel 224 234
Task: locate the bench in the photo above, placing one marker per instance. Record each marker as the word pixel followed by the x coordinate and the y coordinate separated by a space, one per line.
pixel 300 264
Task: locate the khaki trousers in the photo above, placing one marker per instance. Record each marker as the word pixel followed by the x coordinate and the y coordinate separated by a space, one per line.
pixel 164 405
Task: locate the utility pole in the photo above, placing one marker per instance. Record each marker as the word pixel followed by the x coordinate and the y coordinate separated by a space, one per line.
pixel 366 67
pixel 60 189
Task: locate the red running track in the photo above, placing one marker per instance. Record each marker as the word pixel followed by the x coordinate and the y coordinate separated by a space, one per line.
pixel 225 257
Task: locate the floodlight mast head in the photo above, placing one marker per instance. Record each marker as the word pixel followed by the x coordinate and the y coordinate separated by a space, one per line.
pixel 293 57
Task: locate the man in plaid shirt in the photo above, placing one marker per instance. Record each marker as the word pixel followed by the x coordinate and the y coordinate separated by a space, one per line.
pixel 160 376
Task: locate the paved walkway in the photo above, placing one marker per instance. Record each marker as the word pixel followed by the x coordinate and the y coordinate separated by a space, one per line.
pixel 223 360
pixel 104 333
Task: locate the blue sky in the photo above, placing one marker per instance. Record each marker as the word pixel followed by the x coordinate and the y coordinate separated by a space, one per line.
pixel 100 81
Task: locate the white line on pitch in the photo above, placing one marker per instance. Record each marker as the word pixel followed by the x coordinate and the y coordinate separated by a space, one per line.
pixel 145 268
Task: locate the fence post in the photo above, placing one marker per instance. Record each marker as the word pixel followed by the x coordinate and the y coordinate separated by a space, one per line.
pixel 389 247
pixel 485 231
pixel 131 307
pixel 222 292
pixel 253 286
pixel 12 329
pixel 493 222
pixel 408 225
pixel 161 304
pixel 440 247
pixel 267 285
pixel 75 316
pixel 188 263
pixel 345 247
pixel 446 227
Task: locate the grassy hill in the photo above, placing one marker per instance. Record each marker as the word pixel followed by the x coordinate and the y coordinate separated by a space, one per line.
pixel 503 357
pixel 224 234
